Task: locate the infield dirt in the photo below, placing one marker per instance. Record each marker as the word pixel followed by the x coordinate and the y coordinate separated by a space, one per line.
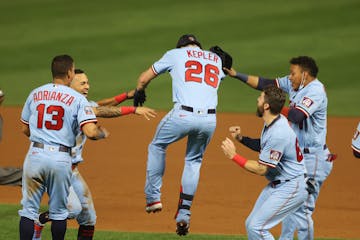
pixel 115 171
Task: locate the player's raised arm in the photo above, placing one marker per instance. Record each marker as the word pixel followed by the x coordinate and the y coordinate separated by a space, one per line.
pixel 113 101
pixel 143 80
pixel 253 81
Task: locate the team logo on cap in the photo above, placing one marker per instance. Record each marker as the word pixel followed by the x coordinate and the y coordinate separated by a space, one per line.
pixel 307 102
pixel 88 110
pixel 275 155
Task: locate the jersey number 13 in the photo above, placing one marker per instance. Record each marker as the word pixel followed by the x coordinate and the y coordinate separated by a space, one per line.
pixel 57 113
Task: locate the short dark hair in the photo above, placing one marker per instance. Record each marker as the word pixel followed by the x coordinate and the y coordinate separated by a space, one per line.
pixel 275 97
pixel 307 64
pixel 187 39
pixel 60 65
pixel 79 71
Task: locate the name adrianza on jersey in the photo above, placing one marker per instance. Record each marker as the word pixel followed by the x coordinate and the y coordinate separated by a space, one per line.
pixel 53 96
pixel 202 54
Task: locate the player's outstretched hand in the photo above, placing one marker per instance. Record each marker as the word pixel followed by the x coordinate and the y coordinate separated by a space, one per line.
pixel 130 94
pixel 235 132
pixel 228 148
pixel 231 72
pixel 146 112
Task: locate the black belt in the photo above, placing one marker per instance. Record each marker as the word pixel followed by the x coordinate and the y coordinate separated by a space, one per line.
pixel 307 150
pixel 191 109
pixel 61 148
pixel 277 182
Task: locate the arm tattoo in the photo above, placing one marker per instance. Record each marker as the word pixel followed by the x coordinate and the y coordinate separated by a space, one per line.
pixel 108 112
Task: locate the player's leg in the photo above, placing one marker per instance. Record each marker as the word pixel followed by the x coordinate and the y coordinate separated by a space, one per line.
pixel 273 205
pixel 87 217
pixel 32 191
pixel 319 169
pixel 73 205
pixel 168 131
pixel 197 142
pixel 58 184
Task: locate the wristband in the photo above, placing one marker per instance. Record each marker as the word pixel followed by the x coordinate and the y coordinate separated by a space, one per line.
pixel 242 77
pixel 127 110
pixel 240 160
pixel 121 97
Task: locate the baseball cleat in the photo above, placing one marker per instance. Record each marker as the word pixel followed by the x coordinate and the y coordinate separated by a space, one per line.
pixel 182 228
pixel 153 207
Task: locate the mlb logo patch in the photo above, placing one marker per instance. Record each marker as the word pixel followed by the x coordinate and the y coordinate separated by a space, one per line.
pixel 307 102
pixel 88 110
pixel 275 155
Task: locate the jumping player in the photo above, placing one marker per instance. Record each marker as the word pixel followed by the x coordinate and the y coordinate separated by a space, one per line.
pixel 307 114
pixel 86 215
pixel 52 116
pixel 280 161
pixel 196 75
pixel 355 144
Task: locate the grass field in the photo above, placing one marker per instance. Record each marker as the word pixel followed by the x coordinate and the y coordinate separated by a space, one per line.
pixel 9 231
pixel 116 40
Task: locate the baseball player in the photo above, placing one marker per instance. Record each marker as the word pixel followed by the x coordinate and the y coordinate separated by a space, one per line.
pixel 80 193
pixel 280 161
pixel 196 75
pixel 52 116
pixel 355 144
pixel 307 114
pixel 8 175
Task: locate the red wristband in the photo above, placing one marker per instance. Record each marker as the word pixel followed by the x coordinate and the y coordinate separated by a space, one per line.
pixel 121 97
pixel 127 110
pixel 240 160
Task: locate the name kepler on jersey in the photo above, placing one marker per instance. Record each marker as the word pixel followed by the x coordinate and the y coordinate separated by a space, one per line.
pixel 201 54
pixel 53 96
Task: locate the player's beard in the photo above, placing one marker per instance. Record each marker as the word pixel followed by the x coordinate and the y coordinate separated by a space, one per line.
pixel 260 111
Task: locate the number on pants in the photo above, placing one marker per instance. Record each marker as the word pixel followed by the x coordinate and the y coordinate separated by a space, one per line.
pixel 299 154
pixel 57 113
pixel 195 68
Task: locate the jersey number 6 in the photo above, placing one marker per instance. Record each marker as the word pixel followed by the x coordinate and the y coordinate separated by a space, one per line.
pixel 57 113
pixel 195 68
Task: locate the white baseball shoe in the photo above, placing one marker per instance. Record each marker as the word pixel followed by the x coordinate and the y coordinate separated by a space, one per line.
pixel 153 207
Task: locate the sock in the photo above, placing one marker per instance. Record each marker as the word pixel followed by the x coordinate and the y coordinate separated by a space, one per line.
pixel 37 231
pixel 26 228
pixel 58 229
pixel 86 232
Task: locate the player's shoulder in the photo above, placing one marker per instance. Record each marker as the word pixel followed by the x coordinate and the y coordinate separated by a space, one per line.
pixel 315 87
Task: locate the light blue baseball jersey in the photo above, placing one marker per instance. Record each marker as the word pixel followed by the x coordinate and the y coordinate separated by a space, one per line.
pixel 54 114
pixel 355 143
pixel 280 151
pixel 312 101
pixel 191 68
pixel 76 152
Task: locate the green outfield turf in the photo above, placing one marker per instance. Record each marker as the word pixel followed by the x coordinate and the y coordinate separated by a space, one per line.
pixel 115 40
pixel 9 222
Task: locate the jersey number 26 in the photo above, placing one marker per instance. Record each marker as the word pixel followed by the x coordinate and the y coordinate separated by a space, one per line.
pixel 194 70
